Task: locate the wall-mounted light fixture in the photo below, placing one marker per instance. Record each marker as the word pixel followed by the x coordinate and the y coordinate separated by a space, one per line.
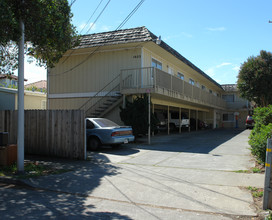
pixel 158 41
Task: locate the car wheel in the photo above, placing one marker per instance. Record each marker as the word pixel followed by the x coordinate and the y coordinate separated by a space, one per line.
pixel 93 143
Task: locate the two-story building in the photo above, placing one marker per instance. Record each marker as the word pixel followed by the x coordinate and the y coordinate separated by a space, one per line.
pixel 97 75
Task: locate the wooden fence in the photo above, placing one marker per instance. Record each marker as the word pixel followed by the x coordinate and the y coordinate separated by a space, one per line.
pixel 59 133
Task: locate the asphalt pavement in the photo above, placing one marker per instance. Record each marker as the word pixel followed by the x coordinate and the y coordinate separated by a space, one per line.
pixel 193 175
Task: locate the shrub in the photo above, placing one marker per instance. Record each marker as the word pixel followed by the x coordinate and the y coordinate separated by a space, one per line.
pixel 261 132
pixel 135 114
pixel 258 141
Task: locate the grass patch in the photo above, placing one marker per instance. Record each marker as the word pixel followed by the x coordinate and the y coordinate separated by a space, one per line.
pixel 242 171
pixel 31 169
pixel 256 192
pixel 257 170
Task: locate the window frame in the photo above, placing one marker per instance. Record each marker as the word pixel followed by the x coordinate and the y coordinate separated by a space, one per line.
pixel 180 75
pixel 156 62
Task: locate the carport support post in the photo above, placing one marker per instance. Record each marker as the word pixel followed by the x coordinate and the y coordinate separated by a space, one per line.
pixel 196 120
pixel 149 118
pixel 267 188
pixel 168 115
pixel 214 119
pixel 189 120
pixel 179 120
pixel 153 114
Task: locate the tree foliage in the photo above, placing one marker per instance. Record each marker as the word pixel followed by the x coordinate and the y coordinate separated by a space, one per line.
pixel 255 77
pixel 135 114
pixel 48 30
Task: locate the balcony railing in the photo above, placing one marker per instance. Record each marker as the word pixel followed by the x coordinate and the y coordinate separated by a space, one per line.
pixel 158 81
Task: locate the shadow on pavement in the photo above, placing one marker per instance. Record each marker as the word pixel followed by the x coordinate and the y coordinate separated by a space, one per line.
pixel 63 196
pixel 202 141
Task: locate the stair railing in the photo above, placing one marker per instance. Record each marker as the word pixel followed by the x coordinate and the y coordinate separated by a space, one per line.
pixel 106 91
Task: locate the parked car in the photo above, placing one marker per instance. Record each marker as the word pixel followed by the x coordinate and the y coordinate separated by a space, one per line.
pixel 173 121
pixel 201 124
pixel 101 131
pixel 249 122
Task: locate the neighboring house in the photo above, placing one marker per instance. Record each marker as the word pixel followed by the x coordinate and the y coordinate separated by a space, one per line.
pixel 40 86
pixel 9 81
pixel 32 100
pixel 97 75
pixel 237 107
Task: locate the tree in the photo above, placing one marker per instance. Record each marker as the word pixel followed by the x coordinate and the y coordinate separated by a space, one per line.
pixel 48 31
pixel 255 77
pixel 46 27
pixel 135 114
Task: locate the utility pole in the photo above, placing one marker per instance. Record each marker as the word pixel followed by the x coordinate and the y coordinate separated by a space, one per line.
pixel 21 121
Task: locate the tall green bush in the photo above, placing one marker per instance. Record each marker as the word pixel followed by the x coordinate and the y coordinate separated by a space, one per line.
pixel 261 131
pixel 135 114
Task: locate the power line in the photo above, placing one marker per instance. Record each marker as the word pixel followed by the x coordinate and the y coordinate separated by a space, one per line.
pixel 130 15
pixel 86 25
pixel 72 2
pixel 98 16
pixel 92 53
pixel 91 17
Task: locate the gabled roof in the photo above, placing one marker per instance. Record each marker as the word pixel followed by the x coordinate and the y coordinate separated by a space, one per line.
pixel 42 84
pixel 134 35
pixel 10 76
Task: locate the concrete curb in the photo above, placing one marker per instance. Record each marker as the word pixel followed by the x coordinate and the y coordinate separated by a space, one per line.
pixel 14 181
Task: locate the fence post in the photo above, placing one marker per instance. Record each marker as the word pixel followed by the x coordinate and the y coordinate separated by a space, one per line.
pixel 267 188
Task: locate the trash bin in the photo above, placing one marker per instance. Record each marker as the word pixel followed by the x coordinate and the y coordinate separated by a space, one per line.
pixel 8 155
pixel 4 138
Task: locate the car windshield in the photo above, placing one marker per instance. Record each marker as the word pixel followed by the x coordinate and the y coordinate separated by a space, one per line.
pixel 102 122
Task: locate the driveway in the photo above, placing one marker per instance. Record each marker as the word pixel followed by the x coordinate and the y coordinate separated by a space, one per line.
pixel 179 176
pixel 194 172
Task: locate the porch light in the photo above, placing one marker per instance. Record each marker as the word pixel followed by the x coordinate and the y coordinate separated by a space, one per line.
pixel 158 41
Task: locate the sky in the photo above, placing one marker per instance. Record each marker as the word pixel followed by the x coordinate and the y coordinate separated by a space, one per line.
pixel 215 35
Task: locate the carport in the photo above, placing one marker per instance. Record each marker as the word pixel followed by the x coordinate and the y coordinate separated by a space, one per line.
pixel 168 104
pixel 193 111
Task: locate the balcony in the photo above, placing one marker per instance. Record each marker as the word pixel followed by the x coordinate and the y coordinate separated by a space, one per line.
pixel 155 81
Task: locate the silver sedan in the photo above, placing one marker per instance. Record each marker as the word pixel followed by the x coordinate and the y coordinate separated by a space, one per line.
pixel 101 131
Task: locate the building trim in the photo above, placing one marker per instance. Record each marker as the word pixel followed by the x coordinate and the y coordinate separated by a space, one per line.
pixel 82 95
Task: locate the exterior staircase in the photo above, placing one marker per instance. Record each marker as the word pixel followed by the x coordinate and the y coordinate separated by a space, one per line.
pixel 104 100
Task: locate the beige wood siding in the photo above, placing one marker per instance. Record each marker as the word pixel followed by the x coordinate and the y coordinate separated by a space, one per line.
pixel 94 73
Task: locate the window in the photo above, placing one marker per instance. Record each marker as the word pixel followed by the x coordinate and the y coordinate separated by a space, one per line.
pixel 156 63
pixel 191 81
pixel 203 87
pixel 228 98
pixel 210 91
pixel 180 75
pixel 89 124
pixel 228 117
pixel 170 70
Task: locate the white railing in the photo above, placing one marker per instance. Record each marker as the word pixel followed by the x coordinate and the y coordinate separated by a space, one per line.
pixel 150 77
